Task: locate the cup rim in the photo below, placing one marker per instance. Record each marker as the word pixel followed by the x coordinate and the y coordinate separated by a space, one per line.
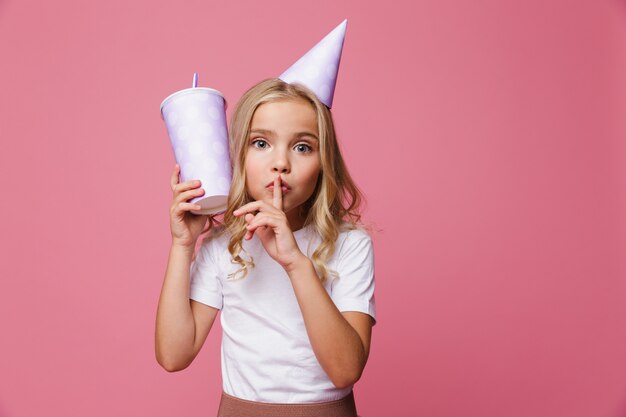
pixel 188 90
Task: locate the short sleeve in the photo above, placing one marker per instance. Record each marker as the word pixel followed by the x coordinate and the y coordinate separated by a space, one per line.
pixel 205 286
pixel 353 290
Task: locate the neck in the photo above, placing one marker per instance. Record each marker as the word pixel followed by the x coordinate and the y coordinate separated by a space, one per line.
pixel 296 222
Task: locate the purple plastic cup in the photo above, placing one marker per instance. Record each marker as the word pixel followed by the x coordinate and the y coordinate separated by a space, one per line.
pixel 196 124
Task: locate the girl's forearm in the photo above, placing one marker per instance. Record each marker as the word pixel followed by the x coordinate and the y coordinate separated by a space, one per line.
pixel 336 343
pixel 175 326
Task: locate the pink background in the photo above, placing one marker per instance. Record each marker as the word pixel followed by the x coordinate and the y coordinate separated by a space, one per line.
pixel 488 137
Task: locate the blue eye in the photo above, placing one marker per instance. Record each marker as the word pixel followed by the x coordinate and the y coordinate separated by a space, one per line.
pixel 306 147
pixel 256 143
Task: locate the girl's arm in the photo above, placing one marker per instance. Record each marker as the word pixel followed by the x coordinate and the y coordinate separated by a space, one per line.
pixel 340 348
pixel 340 342
pixel 182 325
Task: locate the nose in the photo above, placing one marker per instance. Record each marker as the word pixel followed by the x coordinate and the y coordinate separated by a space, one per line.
pixel 281 164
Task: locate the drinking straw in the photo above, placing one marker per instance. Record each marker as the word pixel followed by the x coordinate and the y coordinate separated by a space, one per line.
pixel 194 83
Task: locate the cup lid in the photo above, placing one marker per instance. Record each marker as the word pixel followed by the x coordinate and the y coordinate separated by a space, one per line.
pixel 191 91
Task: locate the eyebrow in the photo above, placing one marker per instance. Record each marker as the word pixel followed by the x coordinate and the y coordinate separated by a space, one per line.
pixel 272 133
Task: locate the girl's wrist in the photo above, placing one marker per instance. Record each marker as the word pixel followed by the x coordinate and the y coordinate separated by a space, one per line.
pixel 298 264
pixel 185 247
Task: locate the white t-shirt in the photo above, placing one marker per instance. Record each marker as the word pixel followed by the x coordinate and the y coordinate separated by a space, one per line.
pixel 266 354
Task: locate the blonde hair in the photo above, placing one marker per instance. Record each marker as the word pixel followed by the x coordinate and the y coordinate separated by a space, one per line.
pixel 335 203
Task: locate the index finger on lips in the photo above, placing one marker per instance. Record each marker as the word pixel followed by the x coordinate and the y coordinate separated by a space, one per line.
pixel 278 194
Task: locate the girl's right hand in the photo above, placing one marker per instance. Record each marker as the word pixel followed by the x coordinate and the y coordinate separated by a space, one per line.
pixel 185 226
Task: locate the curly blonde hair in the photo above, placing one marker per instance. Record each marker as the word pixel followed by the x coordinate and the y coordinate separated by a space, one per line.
pixel 335 203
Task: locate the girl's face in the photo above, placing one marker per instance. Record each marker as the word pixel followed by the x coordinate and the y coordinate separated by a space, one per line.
pixel 283 140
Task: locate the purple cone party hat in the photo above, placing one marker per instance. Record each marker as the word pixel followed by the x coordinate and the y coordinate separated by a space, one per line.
pixel 318 68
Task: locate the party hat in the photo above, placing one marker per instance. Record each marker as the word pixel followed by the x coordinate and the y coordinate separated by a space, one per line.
pixel 318 68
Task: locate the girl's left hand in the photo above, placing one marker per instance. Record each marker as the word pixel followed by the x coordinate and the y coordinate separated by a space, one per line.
pixel 272 227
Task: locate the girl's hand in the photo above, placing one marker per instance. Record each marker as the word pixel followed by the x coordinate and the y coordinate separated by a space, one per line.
pixel 185 226
pixel 272 227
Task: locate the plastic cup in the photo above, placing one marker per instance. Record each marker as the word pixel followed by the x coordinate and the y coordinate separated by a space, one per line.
pixel 196 125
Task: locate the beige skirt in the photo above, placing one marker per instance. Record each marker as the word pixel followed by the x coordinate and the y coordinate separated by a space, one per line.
pixel 236 407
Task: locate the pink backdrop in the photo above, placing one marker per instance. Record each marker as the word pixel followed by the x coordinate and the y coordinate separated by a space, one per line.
pixel 488 137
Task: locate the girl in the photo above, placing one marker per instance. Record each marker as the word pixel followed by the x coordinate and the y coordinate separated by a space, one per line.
pixel 289 265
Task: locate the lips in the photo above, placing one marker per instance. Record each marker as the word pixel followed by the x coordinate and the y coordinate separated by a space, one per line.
pixel 283 185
